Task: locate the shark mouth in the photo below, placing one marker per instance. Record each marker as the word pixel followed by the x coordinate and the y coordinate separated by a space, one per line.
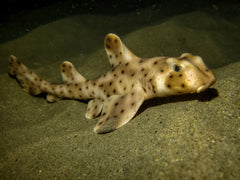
pixel 205 86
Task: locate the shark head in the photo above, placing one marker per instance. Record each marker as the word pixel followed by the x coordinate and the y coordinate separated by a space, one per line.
pixel 185 74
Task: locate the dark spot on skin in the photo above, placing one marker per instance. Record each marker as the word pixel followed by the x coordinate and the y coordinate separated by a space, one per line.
pixel 120 62
pixel 116 104
pixel 133 104
pixel 145 75
pixel 183 85
pixel 108 46
pixel 68 85
pixel 76 84
pixel 80 89
pixel 132 74
pixel 141 61
pixel 116 56
pixel 72 78
pixel 104 114
pixel 45 83
pixel 94 84
pixel 100 85
pixel 171 76
pixel 180 75
pixel 70 67
pixel 100 123
pixel 126 64
pixel 120 53
pixel 63 65
pixel 53 88
pixel 110 83
pixel 122 110
pixel 132 93
pixel 93 92
pixel 124 88
pixel 69 91
pixel 18 62
pixel 63 70
pixel 132 85
pixel 115 75
pixel 86 87
pixel 115 41
pixel 61 92
pixel 150 80
pixel 114 91
pixel 107 119
pixel 144 90
pixel 108 95
pixel 161 70
pixel 142 69
pixel 155 62
pixel 95 107
pixel 169 86
pixel 206 70
pixel 105 74
pixel 120 81
pixel 35 79
pixel 110 56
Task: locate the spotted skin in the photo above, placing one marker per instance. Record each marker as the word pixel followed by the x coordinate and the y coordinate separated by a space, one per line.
pixel 117 95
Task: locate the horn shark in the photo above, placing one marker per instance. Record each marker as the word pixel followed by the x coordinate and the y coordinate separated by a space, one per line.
pixel 117 95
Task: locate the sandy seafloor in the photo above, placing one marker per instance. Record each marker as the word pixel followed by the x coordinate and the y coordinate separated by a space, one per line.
pixel 184 137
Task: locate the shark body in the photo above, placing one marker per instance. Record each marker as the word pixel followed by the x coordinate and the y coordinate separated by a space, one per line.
pixel 117 95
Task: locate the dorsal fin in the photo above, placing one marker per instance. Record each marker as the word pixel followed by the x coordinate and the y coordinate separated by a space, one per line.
pixel 70 74
pixel 117 52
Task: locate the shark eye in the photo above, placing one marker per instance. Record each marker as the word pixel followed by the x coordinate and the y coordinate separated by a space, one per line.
pixel 176 68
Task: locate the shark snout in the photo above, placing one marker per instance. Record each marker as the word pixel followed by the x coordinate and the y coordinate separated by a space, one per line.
pixel 205 86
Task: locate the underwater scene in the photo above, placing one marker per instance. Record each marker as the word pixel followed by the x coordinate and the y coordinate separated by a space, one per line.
pixel 120 89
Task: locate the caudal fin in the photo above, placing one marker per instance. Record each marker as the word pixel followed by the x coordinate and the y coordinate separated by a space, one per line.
pixel 28 80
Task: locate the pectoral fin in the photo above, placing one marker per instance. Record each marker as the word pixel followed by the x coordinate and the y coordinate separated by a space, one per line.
pixel 118 110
